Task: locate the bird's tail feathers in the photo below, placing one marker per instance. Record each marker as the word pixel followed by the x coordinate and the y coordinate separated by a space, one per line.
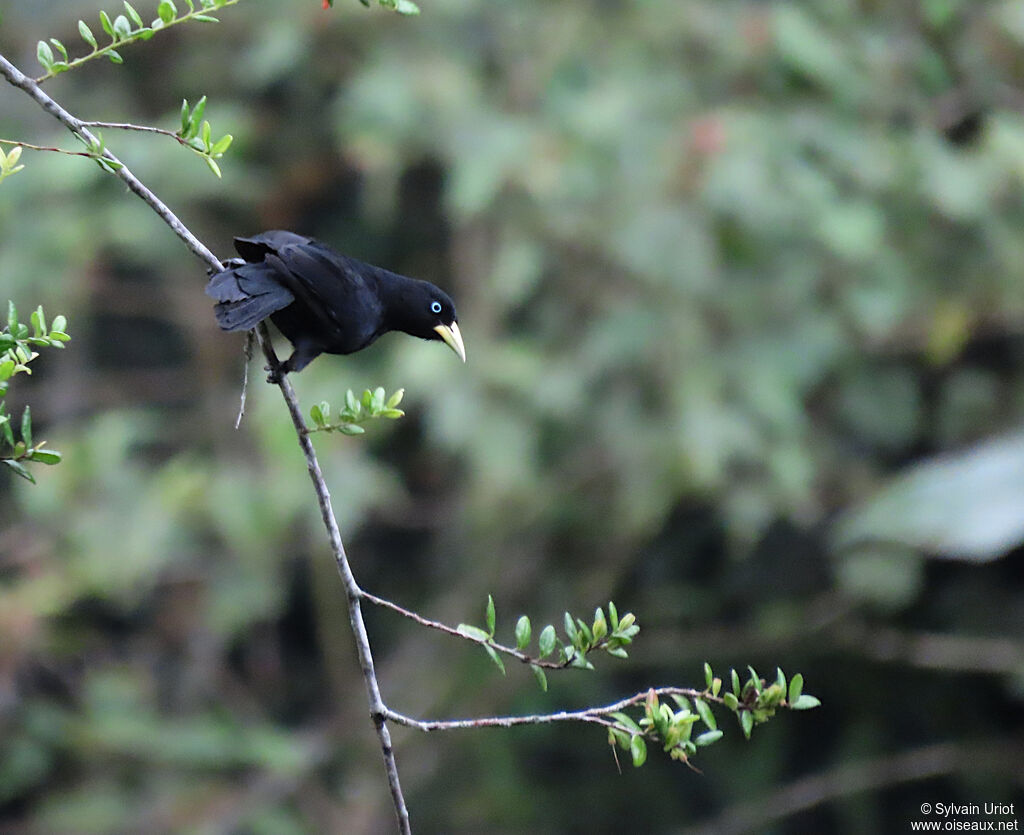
pixel 246 296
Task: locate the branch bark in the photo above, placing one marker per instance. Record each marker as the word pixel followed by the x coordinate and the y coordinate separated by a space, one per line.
pixel 594 715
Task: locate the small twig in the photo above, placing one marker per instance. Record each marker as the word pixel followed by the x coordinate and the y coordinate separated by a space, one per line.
pixel 448 630
pixel 250 340
pixel 19 144
pixel 141 129
pixel 593 715
pixel 119 42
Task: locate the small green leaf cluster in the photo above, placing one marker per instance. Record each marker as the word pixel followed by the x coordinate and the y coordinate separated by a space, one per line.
pixel 401 6
pixel 611 634
pixel 122 29
pixel 372 405
pixel 672 728
pixel 17 340
pixel 9 162
pixel 753 702
pixel 96 148
pixel 195 132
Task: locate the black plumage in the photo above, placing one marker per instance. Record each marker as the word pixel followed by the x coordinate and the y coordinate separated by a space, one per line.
pixel 325 302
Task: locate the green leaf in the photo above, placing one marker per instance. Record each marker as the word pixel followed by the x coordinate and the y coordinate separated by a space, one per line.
pixel 195 118
pixel 108 27
pixel 213 166
pixel 747 722
pixel 707 738
pixel 87 35
pixel 638 750
pixel 38 319
pixel 60 48
pixel 205 18
pixel 613 616
pixel 316 415
pixel 184 117
pixel 547 641
pixel 134 15
pixel 570 629
pixel 755 679
pixel 600 628
pixel 205 135
pixel 221 145
pixel 395 399
pixel 806 702
pixel 730 701
pixel 166 11
pixel 350 402
pixel 796 687
pixel 780 679
pixel 495 658
pixel 406 7
pixel 45 55
pixel 709 675
pixel 588 636
pixel 626 721
pixel 735 683
pixel 122 28
pixel 705 714
pixel 474 632
pixel 19 468
pixel 26 426
pixel 46 456
pixel 542 679
pixel 351 429
pixel 392 414
pixel 377 401
pixel 489 613
pixel 5 428
pixel 523 632
pixel 682 702
pixel 115 58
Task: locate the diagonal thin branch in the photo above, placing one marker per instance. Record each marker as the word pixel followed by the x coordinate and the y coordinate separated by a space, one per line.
pixel 378 710
pixel 448 630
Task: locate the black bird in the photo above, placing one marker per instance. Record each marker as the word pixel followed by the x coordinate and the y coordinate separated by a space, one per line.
pixel 323 301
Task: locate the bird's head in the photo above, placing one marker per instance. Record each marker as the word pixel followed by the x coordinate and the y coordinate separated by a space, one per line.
pixel 426 311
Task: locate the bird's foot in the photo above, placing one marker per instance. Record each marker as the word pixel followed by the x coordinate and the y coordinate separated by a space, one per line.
pixel 275 375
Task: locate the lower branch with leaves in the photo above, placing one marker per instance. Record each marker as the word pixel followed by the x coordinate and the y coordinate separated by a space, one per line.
pixel 665 716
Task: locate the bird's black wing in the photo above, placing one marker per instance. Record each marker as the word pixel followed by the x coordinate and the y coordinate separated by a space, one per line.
pixel 340 294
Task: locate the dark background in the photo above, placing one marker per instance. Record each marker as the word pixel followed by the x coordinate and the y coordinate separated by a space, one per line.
pixel 731 275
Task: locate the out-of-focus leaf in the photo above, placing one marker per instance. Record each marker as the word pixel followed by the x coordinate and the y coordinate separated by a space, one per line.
pixel 963 506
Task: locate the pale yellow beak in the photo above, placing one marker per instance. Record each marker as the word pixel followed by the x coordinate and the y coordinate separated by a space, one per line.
pixel 452 337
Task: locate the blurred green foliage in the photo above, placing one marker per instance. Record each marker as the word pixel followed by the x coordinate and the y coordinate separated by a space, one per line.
pixel 725 270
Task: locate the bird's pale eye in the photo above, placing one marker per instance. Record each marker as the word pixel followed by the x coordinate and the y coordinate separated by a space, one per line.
pixel 435 307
